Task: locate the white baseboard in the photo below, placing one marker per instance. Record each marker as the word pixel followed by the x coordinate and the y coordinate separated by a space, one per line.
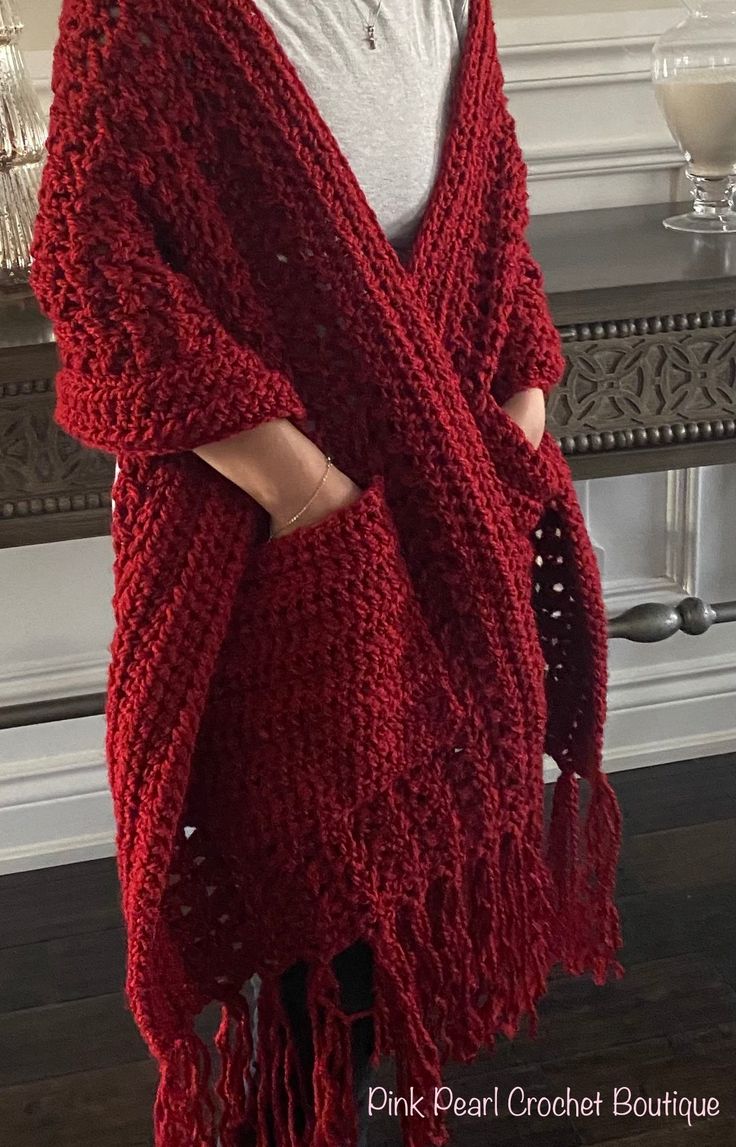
pixel 57 851
pixel 55 804
pixel 24 682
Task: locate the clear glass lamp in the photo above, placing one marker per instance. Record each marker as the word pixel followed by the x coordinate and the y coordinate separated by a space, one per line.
pixel 22 139
pixel 694 74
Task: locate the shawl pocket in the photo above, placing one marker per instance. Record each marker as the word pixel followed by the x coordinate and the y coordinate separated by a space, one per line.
pixel 341 686
pixel 531 476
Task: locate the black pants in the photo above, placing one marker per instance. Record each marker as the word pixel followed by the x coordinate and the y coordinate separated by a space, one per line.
pixel 354 970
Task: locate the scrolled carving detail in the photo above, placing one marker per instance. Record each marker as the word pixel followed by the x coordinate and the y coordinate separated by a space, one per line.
pixel 43 471
pixel 671 382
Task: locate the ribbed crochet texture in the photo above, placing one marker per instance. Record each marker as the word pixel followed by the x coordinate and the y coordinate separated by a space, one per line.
pixel 337 734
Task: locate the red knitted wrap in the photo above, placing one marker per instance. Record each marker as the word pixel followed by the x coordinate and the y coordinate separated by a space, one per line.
pixel 337 735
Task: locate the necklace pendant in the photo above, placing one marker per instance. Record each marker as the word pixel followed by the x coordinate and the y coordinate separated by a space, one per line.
pixel 371 35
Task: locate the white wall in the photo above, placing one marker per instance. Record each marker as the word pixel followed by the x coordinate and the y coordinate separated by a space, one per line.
pixel 54 803
pixel 578 81
pixel 663 538
pixel 40 18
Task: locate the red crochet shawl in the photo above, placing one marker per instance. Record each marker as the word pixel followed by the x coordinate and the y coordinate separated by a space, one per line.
pixel 338 734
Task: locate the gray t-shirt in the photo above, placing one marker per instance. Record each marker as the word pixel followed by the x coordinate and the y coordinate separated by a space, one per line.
pixel 387 106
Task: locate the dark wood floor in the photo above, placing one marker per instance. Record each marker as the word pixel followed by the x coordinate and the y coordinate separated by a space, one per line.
pixel 75 1073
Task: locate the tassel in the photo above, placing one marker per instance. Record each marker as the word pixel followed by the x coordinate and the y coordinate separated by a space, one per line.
pixel 292 1073
pixel 484 934
pixel 562 859
pixel 520 919
pixel 603 839
pixel 437 929
pixel 416 1055
pixel 454 930
pixel 184 1111
pixel 236 1061
pixel 335 1115
pixel 279 1085
pixel 271 1106
pixel 587 927
pixel 427 967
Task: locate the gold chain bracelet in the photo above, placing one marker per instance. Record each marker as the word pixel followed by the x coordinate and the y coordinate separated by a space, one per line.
pixel 277 533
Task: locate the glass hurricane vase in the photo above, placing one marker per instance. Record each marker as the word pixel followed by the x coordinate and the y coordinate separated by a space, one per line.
pixel 694 74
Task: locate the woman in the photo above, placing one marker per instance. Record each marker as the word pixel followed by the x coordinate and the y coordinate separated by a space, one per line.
pixel 387 107
pixel 355 600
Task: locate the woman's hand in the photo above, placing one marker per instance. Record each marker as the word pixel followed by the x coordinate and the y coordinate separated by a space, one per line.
pixel 528 410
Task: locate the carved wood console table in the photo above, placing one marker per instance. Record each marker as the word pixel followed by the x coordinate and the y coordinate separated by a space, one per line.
pixel 647 315
pixel 648 318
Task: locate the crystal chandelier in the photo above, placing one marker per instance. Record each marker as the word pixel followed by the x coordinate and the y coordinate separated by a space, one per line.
pixel 22 139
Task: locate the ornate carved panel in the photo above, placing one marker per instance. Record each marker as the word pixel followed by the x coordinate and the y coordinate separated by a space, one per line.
pixel 51 488
pixel 653 385
pixel 42 470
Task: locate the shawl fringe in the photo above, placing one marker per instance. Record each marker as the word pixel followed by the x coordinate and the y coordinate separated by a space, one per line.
pixel 454 967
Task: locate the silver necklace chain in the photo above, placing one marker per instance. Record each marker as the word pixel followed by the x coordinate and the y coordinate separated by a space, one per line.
pixel 370 27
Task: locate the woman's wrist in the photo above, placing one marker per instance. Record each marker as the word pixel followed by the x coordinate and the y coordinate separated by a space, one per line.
pixel 337 490
pixel 527 408
pixel 274 462
pixel 277 527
